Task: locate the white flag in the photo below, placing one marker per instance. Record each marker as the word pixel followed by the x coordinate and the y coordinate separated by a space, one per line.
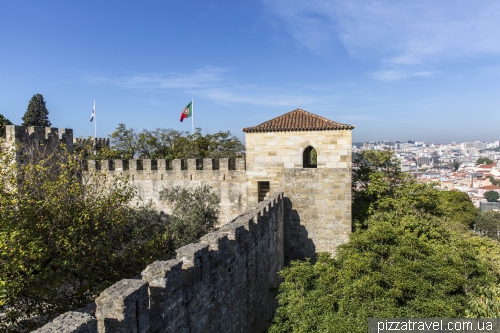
pixel 93 113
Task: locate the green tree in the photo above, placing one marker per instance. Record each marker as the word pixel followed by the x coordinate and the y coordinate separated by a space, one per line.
pixel 124 142
pixel 455 165
pixel 66 235
pixel 3 121
pixel 483 160
pixel 493 181
pixel 401 265
pixel 458 207
pixel 488 224
pixel 163 143
pixel 412 255
pixel 375 175
pixel 194 212
pixel 491 196
pixel 486 304
pixel 37 113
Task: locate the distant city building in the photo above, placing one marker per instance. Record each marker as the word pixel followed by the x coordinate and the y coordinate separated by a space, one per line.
pixel 467 145
pixel 424 160
pixel 479 145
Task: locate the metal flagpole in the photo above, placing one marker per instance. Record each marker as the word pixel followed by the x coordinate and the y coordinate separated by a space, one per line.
pixel 192 116
pixel 95 123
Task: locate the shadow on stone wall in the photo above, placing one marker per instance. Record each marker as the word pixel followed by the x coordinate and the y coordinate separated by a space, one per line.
pixel 224 283
pixel 298 246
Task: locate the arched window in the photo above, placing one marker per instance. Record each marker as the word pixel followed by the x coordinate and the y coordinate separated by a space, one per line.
pixel 310 158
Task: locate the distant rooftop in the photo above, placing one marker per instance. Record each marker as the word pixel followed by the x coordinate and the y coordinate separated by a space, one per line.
pixel 298 120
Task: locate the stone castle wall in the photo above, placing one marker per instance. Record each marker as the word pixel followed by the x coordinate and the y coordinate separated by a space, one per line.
pixel 150 176
pixel 222 284
pixel 95 143
pixel 319 199
pixel 36 137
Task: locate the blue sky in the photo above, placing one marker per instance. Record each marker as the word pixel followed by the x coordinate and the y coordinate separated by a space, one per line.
pixel 397 70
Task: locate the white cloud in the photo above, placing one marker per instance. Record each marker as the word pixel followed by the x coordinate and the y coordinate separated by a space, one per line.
pixel 398 74
pixel 153 81
pixel 395 33
pixel 215 84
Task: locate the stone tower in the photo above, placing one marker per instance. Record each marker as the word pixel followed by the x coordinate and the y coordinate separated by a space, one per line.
pixel 308 157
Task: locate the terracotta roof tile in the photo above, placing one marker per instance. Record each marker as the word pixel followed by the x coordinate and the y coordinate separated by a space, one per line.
pixel 298 120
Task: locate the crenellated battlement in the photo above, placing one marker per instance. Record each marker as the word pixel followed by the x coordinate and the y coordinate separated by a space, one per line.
pixel 95 143
pixel 227 177
pixel 206 164
pixel 38 136
pixel 223 283
pixel 280 203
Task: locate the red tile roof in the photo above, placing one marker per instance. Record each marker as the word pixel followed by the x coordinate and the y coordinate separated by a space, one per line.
pixel 298 120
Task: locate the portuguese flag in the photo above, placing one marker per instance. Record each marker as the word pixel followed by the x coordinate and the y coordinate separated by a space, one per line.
pixel 187 111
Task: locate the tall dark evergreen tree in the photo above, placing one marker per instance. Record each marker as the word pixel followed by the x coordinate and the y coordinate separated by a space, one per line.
pixel 37 113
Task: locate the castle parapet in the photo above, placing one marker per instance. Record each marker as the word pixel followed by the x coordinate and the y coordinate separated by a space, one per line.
pixel 177 165
pixel 38 136
pixel 95 143
pixel 160 165
pixel 221 284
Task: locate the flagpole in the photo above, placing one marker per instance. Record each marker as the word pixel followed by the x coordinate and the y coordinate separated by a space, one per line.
pixel 95 123
pixel 192 117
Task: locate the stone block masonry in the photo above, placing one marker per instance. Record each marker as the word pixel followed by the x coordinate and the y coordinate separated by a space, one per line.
pixel 228 180
pixel 318 199
pixel 22 138
pixel 296 206
pixel 224 283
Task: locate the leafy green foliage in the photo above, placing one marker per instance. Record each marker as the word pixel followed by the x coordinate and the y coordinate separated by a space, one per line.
pixel 37 113
pixel 170 144
pixel 493 181
pixel 455 165
pixel 483 160
pixel 313 157
pixel 375 175
pixel 411 255
pixel 486 304
pixel 491 196
pixel 488 224
pixel 410 267
pixel 66 235
pixel 458 207
pixel 124 142
pixel 194 212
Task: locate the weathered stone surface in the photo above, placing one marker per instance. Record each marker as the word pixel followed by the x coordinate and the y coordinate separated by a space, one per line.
pixel 124 307
pixel 318 200
pixel 222 284
pixel 71 322
pixel 228 185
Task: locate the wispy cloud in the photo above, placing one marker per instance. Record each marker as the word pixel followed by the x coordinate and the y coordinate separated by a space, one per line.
pixel 253 95
pixel 396 33
pixel 216 84
pixel 399 74
pixel 161 81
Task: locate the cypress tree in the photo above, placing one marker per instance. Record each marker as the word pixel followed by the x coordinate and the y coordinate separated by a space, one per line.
pixel 37 113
